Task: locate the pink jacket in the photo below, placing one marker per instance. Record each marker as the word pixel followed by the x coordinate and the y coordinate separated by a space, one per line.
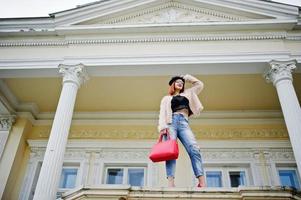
pixel 165 116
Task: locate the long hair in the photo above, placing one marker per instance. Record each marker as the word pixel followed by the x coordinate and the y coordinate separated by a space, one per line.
pixel 172 90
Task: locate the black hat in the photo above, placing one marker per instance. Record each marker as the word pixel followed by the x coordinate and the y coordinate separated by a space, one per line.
pixel 173 79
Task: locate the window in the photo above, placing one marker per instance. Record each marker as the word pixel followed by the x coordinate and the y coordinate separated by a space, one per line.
pixel 134 176
pixel 68 178
pixel 237 178
pixel 289 177
pixel 115 176
pixel 227 176
pixel 214 178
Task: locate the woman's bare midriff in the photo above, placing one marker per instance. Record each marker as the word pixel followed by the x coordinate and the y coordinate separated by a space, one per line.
pixel 183 111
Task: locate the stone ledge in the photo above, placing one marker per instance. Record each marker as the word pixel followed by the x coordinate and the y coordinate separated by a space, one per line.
pixel 126 192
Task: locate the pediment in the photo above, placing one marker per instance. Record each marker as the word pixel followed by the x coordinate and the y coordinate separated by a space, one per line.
pixel 171 12
pixel 116 12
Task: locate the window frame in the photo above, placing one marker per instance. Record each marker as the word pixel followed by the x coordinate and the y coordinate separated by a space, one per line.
pixel 217 170
pixel 125 168
pixel 225 173
pixel 70 165
pixel 238 170
pixel 289 168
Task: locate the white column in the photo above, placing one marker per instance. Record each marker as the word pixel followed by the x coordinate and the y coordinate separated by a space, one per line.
pixel 49 177
pixel 280 75
pixel 6 122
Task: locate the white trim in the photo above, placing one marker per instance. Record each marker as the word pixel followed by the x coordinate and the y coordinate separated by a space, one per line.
pixel 118 152
pixel 288 167
pixel 266 24
pixel 125 61
pixel 214 169
pixel 151 65
pixel 72 165
pixel 15 104
pixel 102 9
pixel 151 118
pixel 225 170
pixel 147 144
pixel 241 35
pixel 35 159
pixel 8 94
pixel 263 24
pixel 125 166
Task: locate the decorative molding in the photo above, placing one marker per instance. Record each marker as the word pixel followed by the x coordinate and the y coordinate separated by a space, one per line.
pixel 280 70
pixel 174 12
pixel 96 145
pixel 217 134
pixel 293 36
pixel 73 73
pixel 123 155
pixel 15 104
pixel 211 151
pixel 241 133
pixel 283 155
pixel 245 117
pixel 113 8
pixel 6 122
pixel 241 155
pixel 105 134
pixel 199 37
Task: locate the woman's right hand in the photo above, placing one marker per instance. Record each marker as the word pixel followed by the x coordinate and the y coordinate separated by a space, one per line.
pixel 164 131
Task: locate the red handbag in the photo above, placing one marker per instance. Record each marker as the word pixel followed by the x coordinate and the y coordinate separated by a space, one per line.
pixel 164 150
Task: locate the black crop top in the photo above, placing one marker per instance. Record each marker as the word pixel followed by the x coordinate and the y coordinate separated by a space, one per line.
pixel 180 102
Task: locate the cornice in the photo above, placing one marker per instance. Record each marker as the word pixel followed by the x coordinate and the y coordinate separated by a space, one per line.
pixel 113 8
pixel 196 37
pixel 150 118
pixel 162 39
pixel 241 133
pixel 31 107
pixel 203 134
pixel 273 145
pixel 181 193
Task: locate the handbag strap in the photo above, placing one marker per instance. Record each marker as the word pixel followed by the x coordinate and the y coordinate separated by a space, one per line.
pixel 161 136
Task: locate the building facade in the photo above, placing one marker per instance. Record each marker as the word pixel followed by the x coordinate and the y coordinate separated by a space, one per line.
pixel 80 93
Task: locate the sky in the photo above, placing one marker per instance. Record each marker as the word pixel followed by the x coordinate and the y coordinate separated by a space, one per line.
pixel 42 8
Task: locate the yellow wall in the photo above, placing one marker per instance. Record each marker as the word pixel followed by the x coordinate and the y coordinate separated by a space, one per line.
pixel 15 158
pixel 221 92
pixel 17 152
pixel 121 132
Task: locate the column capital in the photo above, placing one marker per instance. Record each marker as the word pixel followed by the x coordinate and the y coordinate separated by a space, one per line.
pixel 6 122
pixel 280 70
pixel 73 73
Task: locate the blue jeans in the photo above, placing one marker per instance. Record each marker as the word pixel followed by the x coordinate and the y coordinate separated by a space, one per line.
pixel 180 129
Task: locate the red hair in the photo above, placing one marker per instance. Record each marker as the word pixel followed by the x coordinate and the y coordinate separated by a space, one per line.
pixel 172 90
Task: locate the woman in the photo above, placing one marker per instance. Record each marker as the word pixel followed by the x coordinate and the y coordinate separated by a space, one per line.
pixel 175 109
